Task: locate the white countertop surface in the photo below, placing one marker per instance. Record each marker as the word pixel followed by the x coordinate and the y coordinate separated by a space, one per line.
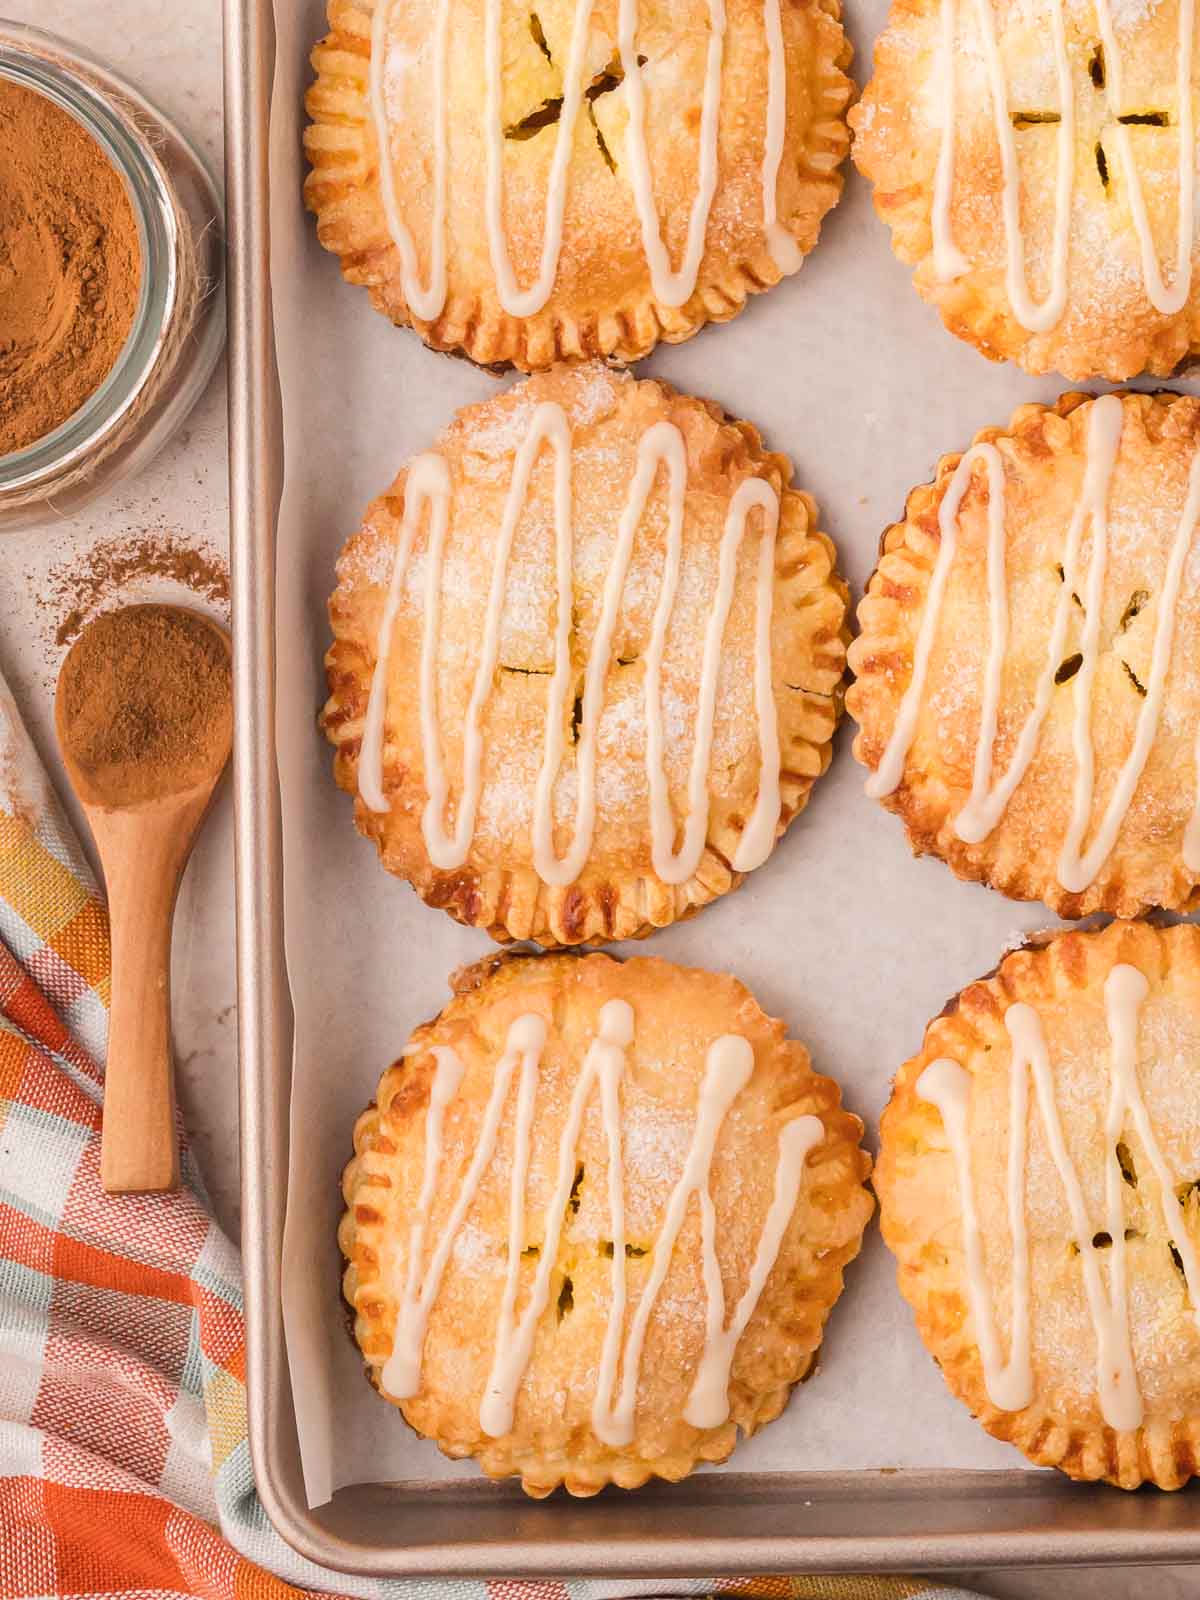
pixel 173 53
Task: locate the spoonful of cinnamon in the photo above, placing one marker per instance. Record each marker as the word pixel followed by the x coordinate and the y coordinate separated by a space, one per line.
pixel 144 713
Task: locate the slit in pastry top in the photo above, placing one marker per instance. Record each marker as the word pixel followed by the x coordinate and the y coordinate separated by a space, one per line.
pixel 728 1068
pixel 660 448
pixel 673 286
pixel 1078 866
pixel 1010 1379
pixel 1040 316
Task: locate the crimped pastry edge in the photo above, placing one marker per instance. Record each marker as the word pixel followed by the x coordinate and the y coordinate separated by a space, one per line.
pixel 880 659
pixel 512 903
pixel 340 145
pixel 975 306
pixel 847 1162
pixel 1165 1452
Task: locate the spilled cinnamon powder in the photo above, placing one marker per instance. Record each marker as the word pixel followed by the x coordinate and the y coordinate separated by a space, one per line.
pixel 144 705
pixel 70 266
pixel 78 588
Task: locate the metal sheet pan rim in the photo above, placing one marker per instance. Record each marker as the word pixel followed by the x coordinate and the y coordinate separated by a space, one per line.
pixel 733 1524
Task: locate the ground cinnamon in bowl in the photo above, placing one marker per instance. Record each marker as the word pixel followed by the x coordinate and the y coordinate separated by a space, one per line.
pixel 144 706
pixel 70 266
pixel 111 264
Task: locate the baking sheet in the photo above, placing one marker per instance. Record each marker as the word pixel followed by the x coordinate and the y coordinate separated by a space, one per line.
pixel 841 933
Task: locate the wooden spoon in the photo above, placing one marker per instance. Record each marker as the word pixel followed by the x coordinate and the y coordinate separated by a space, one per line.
pixel 145 723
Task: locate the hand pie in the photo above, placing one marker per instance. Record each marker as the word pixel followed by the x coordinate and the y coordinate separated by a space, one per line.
pixel 1038 1179
pixel 597 1219
pixel 526 183
pixel 587 660
pixel 1035 163
pixel 1028 691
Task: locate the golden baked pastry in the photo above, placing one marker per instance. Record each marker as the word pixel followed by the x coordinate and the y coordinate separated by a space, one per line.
pixel 597 1219
pixel 1027 682
pixel 1036 166
pixel 587 659
pixel 1038 1179
pixel 554 187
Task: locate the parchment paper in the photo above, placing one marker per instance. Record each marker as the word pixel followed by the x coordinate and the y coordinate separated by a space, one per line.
pixel 841 933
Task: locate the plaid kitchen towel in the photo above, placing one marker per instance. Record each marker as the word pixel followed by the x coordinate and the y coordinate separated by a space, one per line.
pixel 124 1464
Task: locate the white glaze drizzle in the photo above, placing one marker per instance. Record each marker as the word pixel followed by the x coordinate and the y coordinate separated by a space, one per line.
pixel 516 301
pixel 605 1060
pixel 728 1068
pixel 672 287
pixel 949 262
pixel 661 445
pixel 947 1086
pixel 785 252
pixel 425 300
pixel 1116 1380
pixel 754 845
pixel 1168 301
pixel 401 1375
pixel 708 1403
pixel 1076 869
pixel 1125 992
pixel 726 1072
pixel 886 777
pixel 428 483
pixel 1037 317
pixel 675 288
pixel 1009 1384
pixel 986 804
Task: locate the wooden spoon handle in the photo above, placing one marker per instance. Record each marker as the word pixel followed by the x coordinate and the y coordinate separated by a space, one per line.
pixel 139 1152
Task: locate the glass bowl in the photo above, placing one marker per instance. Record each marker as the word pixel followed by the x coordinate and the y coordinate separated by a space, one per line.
pixel 179 326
